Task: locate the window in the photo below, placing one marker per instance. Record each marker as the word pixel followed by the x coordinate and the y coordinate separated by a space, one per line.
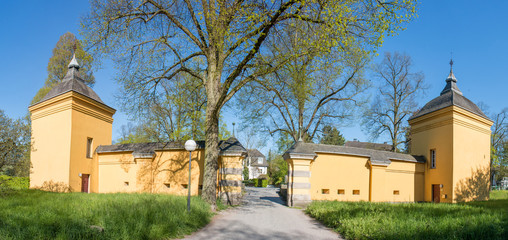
pixel 168 185
pixel 184 186
pixel 341 192
pixel 356 192
pixel 433 158
pixel 260 170
pixel 396 192
pixel 89 142
pixel 325 191
pixel 126 184
pixel 260 160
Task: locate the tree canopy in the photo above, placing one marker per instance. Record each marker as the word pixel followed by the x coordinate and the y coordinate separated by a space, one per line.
pixel 14 146
pixel 65 48
pixel 219 42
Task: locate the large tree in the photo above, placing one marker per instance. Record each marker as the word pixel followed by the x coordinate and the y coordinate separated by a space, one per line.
pixel 154 41
pixel 318 87
pixel 399 87
pixel 65 48
pixel 14 146
pixel 172 111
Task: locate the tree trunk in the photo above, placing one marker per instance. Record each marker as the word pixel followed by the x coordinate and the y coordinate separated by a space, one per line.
pixel 211 157
pixel 212 86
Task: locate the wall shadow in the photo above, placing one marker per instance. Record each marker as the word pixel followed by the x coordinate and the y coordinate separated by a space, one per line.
pixel 474 188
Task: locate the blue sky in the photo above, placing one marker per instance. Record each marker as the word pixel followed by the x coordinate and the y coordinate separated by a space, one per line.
pixel 477 34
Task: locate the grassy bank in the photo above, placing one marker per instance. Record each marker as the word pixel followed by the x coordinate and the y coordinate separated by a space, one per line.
pixel 32 214
pixel 364 220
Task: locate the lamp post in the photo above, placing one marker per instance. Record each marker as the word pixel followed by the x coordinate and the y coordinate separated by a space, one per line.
pixel 190 146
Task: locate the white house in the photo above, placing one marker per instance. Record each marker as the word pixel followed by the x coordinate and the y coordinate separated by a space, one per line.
pixel 256 163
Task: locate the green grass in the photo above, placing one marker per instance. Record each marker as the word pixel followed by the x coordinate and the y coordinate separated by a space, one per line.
pixel 364 220
pixel 33 214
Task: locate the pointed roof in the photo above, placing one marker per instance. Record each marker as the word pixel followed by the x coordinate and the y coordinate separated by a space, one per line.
pixel 450 96
pixel 72 82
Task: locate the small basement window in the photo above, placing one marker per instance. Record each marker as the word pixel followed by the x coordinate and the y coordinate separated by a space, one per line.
pixel 325 191
pixel 396 192
pixel 184 185
pixel 356 192
pixel 341 192
pixel 126 184
pixel 167 185
pixel 200 187
pixel 89 142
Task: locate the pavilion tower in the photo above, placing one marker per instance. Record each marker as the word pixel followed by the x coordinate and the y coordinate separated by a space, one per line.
pixel 454 136
pixel 67 125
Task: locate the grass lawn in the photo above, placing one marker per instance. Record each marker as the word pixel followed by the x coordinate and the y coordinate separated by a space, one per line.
pixel 365 220
pixel 33 214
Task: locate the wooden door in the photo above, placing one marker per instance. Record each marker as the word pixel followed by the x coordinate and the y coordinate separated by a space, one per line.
pixel 85 178
pixel 436 192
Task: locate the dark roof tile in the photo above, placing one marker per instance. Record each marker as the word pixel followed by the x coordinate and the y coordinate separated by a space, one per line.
pixel 375 156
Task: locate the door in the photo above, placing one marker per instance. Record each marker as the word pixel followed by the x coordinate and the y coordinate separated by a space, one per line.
pixel 85 179
pixel 436 192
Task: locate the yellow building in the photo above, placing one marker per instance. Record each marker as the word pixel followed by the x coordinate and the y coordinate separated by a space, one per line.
pixel 72 136
pixel 450 143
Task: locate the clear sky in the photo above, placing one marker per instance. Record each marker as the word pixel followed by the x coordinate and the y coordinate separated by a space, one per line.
pixel 476 32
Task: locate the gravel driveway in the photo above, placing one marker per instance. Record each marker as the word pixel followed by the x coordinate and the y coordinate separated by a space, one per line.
pixel 263 215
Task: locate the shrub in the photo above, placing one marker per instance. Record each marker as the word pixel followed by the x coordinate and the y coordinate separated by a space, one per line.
pixel 51 186
pixel 13 183
pixel 260 182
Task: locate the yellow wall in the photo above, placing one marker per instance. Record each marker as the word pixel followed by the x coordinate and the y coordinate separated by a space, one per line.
pixel 333 172
pixel 51 142
pixel 435 131
pixel 462 143
pixel 60 127
pixel 407 179
pixel 471 151
pixel 168 167
pixel 89 120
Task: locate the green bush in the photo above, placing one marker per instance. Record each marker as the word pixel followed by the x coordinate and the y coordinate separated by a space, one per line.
pixel 366 220
pixel 250 182
pixel 260 182
pixel 14 183
pixel 34 214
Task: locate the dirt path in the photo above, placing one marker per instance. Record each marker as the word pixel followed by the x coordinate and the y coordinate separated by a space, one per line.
pixel 263 216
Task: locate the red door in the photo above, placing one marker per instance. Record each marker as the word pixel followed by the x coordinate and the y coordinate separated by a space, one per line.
pixel 436 193
pixel 85 178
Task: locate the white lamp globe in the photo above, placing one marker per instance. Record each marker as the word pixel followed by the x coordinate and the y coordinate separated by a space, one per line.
pixel 190 145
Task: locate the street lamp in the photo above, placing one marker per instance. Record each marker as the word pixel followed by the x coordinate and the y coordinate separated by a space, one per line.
pixel 190 146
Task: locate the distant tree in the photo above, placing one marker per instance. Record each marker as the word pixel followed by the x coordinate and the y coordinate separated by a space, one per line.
pixel 66 46
pixel 277 168
pixel 14 146
pixel 399 87
pixel 332 136
pixel 499 143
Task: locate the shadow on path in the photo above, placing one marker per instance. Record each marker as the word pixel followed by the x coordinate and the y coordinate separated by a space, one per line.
pixel 263 215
